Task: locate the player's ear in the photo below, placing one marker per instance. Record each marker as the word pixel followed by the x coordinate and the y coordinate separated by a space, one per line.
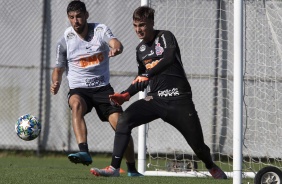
pixel 86 14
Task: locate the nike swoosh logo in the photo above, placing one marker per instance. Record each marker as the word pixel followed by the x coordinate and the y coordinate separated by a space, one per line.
pixel 144 56
pixel 88 47
pixel 151 53
pixel 117 157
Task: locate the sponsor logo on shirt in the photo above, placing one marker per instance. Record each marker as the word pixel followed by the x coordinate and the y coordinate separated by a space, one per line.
pixel 142 48
pixel 149 63
pixel 96 81
pixel 92 60
pixel 168 92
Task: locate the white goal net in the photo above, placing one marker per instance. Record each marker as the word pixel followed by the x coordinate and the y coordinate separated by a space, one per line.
pixel 204 30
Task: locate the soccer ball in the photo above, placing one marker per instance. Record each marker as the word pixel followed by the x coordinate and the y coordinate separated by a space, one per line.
pixel 28 127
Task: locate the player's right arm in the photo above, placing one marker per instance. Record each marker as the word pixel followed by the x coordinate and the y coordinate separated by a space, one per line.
pixel 61 60
pixel 56 80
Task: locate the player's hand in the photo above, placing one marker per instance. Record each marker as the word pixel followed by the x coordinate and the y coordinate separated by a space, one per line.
pixel 119 99
pixel 140 83
pixel 114 52
pixel 55 87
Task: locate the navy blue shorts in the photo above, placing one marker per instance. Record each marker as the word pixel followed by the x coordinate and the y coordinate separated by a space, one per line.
pixel 99 99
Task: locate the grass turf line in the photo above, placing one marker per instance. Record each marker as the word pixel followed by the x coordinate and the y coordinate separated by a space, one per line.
pixel 58 170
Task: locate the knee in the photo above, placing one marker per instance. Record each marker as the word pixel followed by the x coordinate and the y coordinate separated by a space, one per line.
pixel 78 107
pixel 123 125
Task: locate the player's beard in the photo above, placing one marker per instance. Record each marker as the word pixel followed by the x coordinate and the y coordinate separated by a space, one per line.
pixel 80 29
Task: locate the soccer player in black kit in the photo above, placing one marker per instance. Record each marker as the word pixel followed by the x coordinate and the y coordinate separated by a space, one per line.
pixel 169 96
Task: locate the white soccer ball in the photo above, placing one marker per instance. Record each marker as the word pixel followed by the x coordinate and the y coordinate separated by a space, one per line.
pixel 28 127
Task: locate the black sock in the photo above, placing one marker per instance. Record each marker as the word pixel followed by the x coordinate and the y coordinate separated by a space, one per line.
pixel 131 167
pixel 116 161
pixel 210 165
pixel 83 147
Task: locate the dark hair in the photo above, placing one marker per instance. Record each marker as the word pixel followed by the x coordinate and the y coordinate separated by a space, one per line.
pixel 76 5
pixel 143 13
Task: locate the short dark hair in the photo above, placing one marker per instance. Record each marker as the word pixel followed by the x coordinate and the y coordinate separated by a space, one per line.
pixel 76 5
pixel 143 13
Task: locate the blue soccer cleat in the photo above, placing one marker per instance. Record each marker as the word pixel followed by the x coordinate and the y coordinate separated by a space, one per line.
pixel 134 174
pixel 80 157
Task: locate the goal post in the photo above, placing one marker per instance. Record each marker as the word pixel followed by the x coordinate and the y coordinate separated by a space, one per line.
pixel 142 128
pixel 238 92
pixel 231 52
pixel 142 142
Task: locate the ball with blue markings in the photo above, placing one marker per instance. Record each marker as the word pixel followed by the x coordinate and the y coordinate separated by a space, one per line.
pixel 28 127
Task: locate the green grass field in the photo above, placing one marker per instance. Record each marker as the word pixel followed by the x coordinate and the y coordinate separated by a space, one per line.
pixel 28 169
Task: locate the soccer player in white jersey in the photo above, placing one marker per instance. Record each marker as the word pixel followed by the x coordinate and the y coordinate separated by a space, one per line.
pixel 84 52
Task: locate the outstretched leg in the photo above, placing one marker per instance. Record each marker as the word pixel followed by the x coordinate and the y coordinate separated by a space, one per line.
pixel 79 108
pixel 138 113
pixel 184 117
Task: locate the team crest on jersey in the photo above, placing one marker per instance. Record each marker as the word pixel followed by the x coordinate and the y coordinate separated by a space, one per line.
pixel 142 48
pixel 70 36
pixel 159 49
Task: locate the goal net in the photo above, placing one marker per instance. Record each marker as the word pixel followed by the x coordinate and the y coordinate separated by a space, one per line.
pixel 204 30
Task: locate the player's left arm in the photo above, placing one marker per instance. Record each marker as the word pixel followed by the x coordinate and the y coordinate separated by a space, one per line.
pixel 169 55
pixel 116 47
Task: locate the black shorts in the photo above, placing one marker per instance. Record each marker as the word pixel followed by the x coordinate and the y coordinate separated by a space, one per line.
pixel 98 98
